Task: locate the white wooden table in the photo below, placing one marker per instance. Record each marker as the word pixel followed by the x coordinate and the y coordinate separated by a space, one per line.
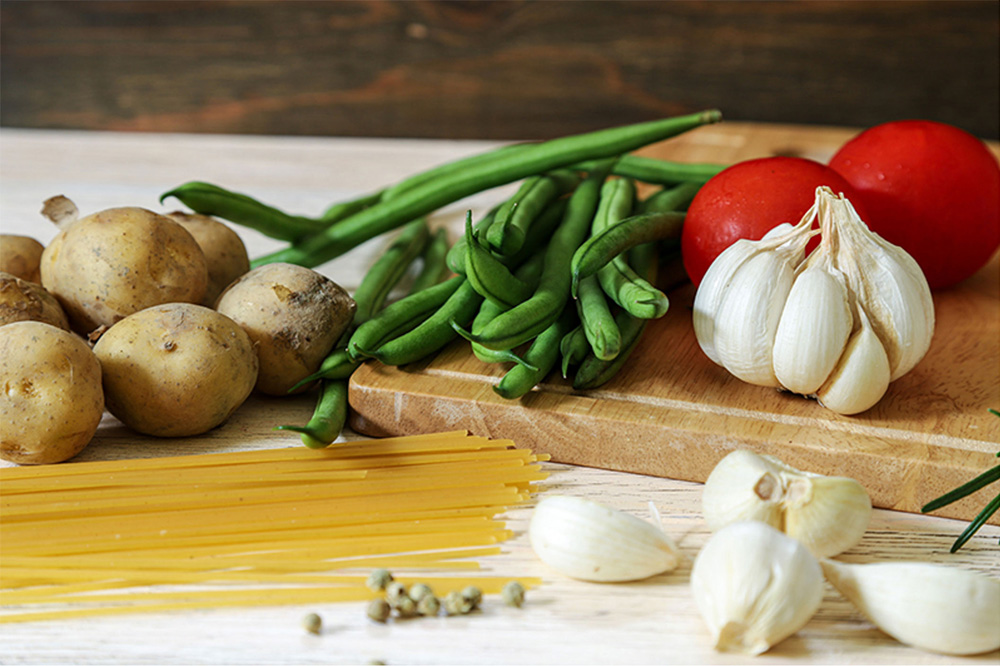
pixel 564 621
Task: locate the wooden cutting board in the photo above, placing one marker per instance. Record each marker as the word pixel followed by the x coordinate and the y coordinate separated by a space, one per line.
pixel 671 412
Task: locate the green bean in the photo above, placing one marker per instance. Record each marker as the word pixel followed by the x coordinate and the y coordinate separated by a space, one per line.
pixel 434 268
pixel 328 418
pixel 573 348
pixel 598 323
pixel 543 354
pixel 529 272
pixel 602 248
pixel 670 199
pixel 456 255
pixel 523 322
pixel 506 235
pixel 660 172
pixel 449 169
pixel 617 279
pixel 342 209
pixel 487 274
pixel 434 332
pixel 389 269
pixel 594 372
pixel 503 168
pixel 400 317
pixel 208 199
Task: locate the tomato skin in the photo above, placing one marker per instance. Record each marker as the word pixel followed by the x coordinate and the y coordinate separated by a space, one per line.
pixel 749 199
pixel 932 189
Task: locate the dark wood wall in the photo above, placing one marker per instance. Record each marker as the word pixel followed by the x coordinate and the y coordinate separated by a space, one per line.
pixel 492 70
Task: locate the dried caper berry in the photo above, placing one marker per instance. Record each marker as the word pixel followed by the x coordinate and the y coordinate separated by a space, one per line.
pixel 513 594
pixel 473 595
pixel 428 605
pixel 379 610
pixel 312 623
pixel 378 580
pixel 418 591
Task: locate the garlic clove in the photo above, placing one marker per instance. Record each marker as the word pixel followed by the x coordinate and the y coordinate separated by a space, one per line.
pixel 813 330
pixel 748 316
pixel 862 375
pixel 827 514
pixel 717 280
pixel 754 587
pixel 589 541
pixel 928 606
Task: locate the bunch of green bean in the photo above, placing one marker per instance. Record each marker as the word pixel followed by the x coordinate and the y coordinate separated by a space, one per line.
pixel 563 271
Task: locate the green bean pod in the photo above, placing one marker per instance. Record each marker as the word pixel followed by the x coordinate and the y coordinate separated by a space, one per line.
pixel 660 172
pixel 456 255
pixel 433 269
pixel 208 199
pixel 389 269
pixel 507 233
pixel 670 199
pixel 338 211
pixel 602 248
pixel 434 332
pixel 449 169
pixel 399 317
pixel 617 278
pixel 598 323
pixel 526 320
pixel 503 168
pixel 329 416
pixel 573 348
pixel 541 357
pixel 488 275
pixel 594 372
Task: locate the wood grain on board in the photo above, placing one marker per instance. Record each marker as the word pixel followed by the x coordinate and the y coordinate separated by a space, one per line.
pixel 670 412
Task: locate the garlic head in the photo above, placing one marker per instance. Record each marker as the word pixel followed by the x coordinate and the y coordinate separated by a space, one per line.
pixel 593 542
pixel 754 587
pixel 827 514
pixel 928 606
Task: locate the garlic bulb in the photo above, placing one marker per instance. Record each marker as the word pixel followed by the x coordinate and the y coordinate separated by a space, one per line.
pixel 838 325
pixel 827 514
pixel 589 541
pixel 754 587
pixel 929 606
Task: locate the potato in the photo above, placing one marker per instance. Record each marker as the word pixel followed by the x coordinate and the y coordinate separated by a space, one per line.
pixel 108 265
pixel 52 400
pixel 19 256
pixel 21 300
pixel 293 314
pixel 176 370
pixel 225 252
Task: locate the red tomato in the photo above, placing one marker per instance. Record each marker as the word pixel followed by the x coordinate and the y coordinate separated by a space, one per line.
pixel 749 199
pixel 930 188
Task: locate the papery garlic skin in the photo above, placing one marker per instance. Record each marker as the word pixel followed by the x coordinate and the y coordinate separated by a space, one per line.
pixel 928 606
pixel 754 587
pixel 593 542
pixel 827 514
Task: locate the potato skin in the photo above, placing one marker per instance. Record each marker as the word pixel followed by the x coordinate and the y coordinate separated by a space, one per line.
pixel 225 253
pixel 21 300
pixel 176 370
pixel 294 315
pixel 113 263
pixel 52 403
pixel 20 256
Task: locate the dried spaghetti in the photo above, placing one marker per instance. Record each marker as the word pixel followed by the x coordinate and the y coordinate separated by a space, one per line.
pixel 280 526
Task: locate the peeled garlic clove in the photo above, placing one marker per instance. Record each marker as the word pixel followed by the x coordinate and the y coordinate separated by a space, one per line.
pixel 754 587
pixel 589 541
pixel 715 282
pixel 862 375
pixel 826 514
pixel 813 330
pixel 931 607
pixel 748 316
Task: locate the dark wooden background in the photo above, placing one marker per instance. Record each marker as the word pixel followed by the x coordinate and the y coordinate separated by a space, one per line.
pixel 492 70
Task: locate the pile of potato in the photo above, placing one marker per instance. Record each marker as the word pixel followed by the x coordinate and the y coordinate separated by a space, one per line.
pixel 156 318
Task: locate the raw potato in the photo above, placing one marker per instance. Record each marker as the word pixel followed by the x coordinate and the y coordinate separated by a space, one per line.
pixel 21 300
pixel 108 265
pixel 52 401
pixel 294 315
pixel 20 255
pixel 176 370
pixel 225 252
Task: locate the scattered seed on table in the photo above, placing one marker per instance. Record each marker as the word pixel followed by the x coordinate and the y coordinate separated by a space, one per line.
pixel 378 580
pixel 513 593
pixel 312 623
pixel 379 610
